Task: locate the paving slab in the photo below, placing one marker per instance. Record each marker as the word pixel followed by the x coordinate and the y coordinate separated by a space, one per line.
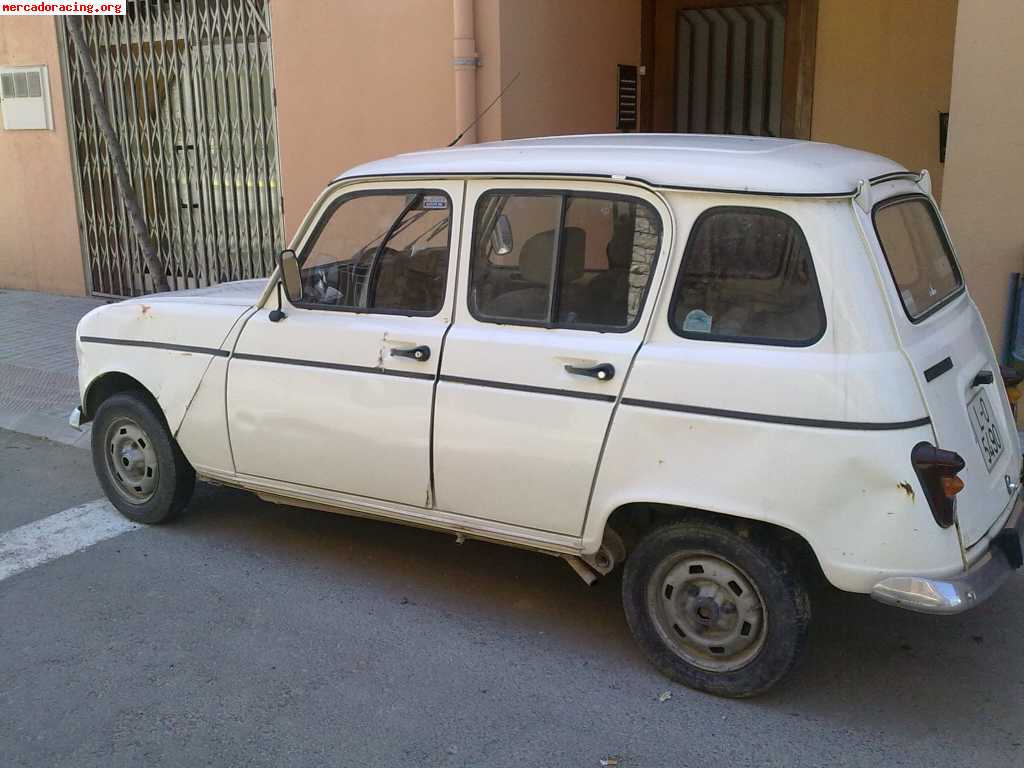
pixel 38 368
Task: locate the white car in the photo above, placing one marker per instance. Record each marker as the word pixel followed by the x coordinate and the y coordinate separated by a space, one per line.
pixel 730 364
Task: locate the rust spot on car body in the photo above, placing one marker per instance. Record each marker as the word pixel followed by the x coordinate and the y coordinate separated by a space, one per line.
pixel 145 308
pixel 908 489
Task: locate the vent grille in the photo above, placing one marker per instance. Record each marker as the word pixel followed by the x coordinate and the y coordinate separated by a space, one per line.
pixel 22 85
pixel 626 120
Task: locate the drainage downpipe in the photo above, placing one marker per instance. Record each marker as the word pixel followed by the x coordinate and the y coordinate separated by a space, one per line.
pixel 465 61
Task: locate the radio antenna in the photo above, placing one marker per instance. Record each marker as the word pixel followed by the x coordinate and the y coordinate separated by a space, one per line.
pixel 486 109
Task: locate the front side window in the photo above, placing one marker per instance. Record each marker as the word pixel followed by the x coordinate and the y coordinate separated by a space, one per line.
pixel 919 255
pixel 379 252
pixel 747 276
pixel 565 259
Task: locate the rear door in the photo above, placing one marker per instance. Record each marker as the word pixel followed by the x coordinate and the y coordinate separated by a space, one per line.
pixel 943 334
pixel 550 314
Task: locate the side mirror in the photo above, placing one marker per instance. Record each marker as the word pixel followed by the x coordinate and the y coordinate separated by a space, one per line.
pixel 289 265
pixel 501 236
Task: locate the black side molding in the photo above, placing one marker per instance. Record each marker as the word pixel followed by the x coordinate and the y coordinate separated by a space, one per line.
pixel 931 374
pixel 156 345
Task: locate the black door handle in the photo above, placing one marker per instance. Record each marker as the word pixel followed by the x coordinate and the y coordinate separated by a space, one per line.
pixel 604 371
pixel 983 377
pixel 421 353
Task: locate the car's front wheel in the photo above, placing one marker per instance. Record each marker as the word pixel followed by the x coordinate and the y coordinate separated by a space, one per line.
pixel 715 610
pixel 138 463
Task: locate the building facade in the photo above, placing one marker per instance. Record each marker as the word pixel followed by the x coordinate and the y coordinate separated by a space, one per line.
pixel 234 115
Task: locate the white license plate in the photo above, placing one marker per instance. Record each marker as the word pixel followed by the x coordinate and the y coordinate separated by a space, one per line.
pixel 986 431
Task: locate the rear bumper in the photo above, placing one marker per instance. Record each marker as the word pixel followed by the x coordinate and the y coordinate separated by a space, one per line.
pixel 968 589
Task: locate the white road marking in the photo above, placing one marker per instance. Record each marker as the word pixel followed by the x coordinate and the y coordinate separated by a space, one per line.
pixel 63 533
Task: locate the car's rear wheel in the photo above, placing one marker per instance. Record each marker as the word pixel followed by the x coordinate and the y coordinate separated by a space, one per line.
pixel 140 466
pixel 714 610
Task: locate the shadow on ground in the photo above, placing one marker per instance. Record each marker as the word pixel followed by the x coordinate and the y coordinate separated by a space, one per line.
pixel 868 666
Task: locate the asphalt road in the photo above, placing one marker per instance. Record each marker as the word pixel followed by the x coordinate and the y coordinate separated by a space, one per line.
pixel 255 635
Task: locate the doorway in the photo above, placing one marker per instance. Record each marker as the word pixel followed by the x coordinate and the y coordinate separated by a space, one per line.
pixel 742 67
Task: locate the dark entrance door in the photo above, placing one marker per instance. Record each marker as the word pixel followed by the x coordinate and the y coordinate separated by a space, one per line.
pixel 729 66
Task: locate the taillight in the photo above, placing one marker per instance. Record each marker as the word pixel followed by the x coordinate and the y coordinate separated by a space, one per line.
pixel 937 470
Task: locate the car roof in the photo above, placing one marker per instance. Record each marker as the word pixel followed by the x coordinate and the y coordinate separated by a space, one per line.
pixel 750 164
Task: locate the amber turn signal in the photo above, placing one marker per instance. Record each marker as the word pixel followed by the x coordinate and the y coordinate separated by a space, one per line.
pixel 951 486
pixel 937 469
pixel 1013 394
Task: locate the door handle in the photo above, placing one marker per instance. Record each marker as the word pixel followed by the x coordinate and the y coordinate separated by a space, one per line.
pixel 983 377
pixel 420 353
pixel 603 371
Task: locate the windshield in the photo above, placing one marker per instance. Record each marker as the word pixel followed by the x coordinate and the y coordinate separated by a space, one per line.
pixel 919 255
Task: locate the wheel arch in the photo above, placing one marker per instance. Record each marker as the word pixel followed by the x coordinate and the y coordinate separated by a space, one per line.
pixel 632 519
pixel 108 384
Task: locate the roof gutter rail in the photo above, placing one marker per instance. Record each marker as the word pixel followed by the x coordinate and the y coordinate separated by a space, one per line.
pixel 506 174
pixel 922 178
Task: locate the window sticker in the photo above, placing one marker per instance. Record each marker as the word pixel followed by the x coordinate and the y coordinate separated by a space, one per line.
pixel 697 321
pixel 435 202
pixel 908 300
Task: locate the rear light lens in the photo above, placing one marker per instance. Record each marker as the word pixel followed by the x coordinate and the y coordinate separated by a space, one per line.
pixel 1011 376
pixel 937 470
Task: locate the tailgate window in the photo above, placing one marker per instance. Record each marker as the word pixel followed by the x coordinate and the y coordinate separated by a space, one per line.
pixel 918 253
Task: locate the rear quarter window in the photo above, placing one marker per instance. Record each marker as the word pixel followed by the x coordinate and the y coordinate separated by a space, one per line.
pixel 747 276
pixel 918 253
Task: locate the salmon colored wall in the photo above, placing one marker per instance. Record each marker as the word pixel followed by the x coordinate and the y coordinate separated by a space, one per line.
pixel 985 157
pixel 882 75
pixel 357 82
pixel 39 245
pixel 566 53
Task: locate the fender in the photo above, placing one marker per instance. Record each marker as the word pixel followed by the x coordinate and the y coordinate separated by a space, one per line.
pixel 165 343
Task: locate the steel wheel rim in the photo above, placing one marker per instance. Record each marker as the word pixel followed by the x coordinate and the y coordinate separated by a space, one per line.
pixel 708 611
pixel 131 460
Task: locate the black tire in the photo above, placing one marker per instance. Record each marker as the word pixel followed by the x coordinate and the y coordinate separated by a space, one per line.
pixel 138 463
pixel 676 610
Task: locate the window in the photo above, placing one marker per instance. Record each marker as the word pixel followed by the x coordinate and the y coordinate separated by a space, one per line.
pixel 379 252
pixel 566 259
pixel 918 253
pixel 747 276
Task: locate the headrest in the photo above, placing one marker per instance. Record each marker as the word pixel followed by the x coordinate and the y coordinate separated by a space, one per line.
pixel 620 250
pixel 537 253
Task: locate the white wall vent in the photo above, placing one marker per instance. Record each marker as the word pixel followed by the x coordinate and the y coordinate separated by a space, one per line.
pixel 25 98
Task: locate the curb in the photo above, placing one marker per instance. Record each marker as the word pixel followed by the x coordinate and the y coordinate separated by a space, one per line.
pixel 48 425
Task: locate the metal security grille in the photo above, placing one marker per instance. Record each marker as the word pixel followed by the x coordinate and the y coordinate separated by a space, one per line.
pixel 189 85
pixel 729 69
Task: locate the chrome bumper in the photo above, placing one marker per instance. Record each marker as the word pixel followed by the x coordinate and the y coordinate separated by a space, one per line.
pixel 75 419
pixel 968 589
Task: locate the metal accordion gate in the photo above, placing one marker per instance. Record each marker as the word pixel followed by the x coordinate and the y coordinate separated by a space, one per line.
pixel 190 89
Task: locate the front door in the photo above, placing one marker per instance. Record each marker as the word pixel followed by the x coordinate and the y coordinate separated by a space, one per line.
pixel 552 316
pixel 337 395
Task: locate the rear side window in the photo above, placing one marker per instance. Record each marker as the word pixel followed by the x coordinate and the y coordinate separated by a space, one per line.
pixel 918 253
pixel 562 259
pixel 747 276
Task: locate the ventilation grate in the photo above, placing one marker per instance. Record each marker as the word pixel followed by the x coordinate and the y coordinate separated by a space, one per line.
pixel 626 120
pixel 22 85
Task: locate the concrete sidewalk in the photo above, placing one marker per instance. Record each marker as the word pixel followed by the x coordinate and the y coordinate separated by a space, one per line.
pixel 38 369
